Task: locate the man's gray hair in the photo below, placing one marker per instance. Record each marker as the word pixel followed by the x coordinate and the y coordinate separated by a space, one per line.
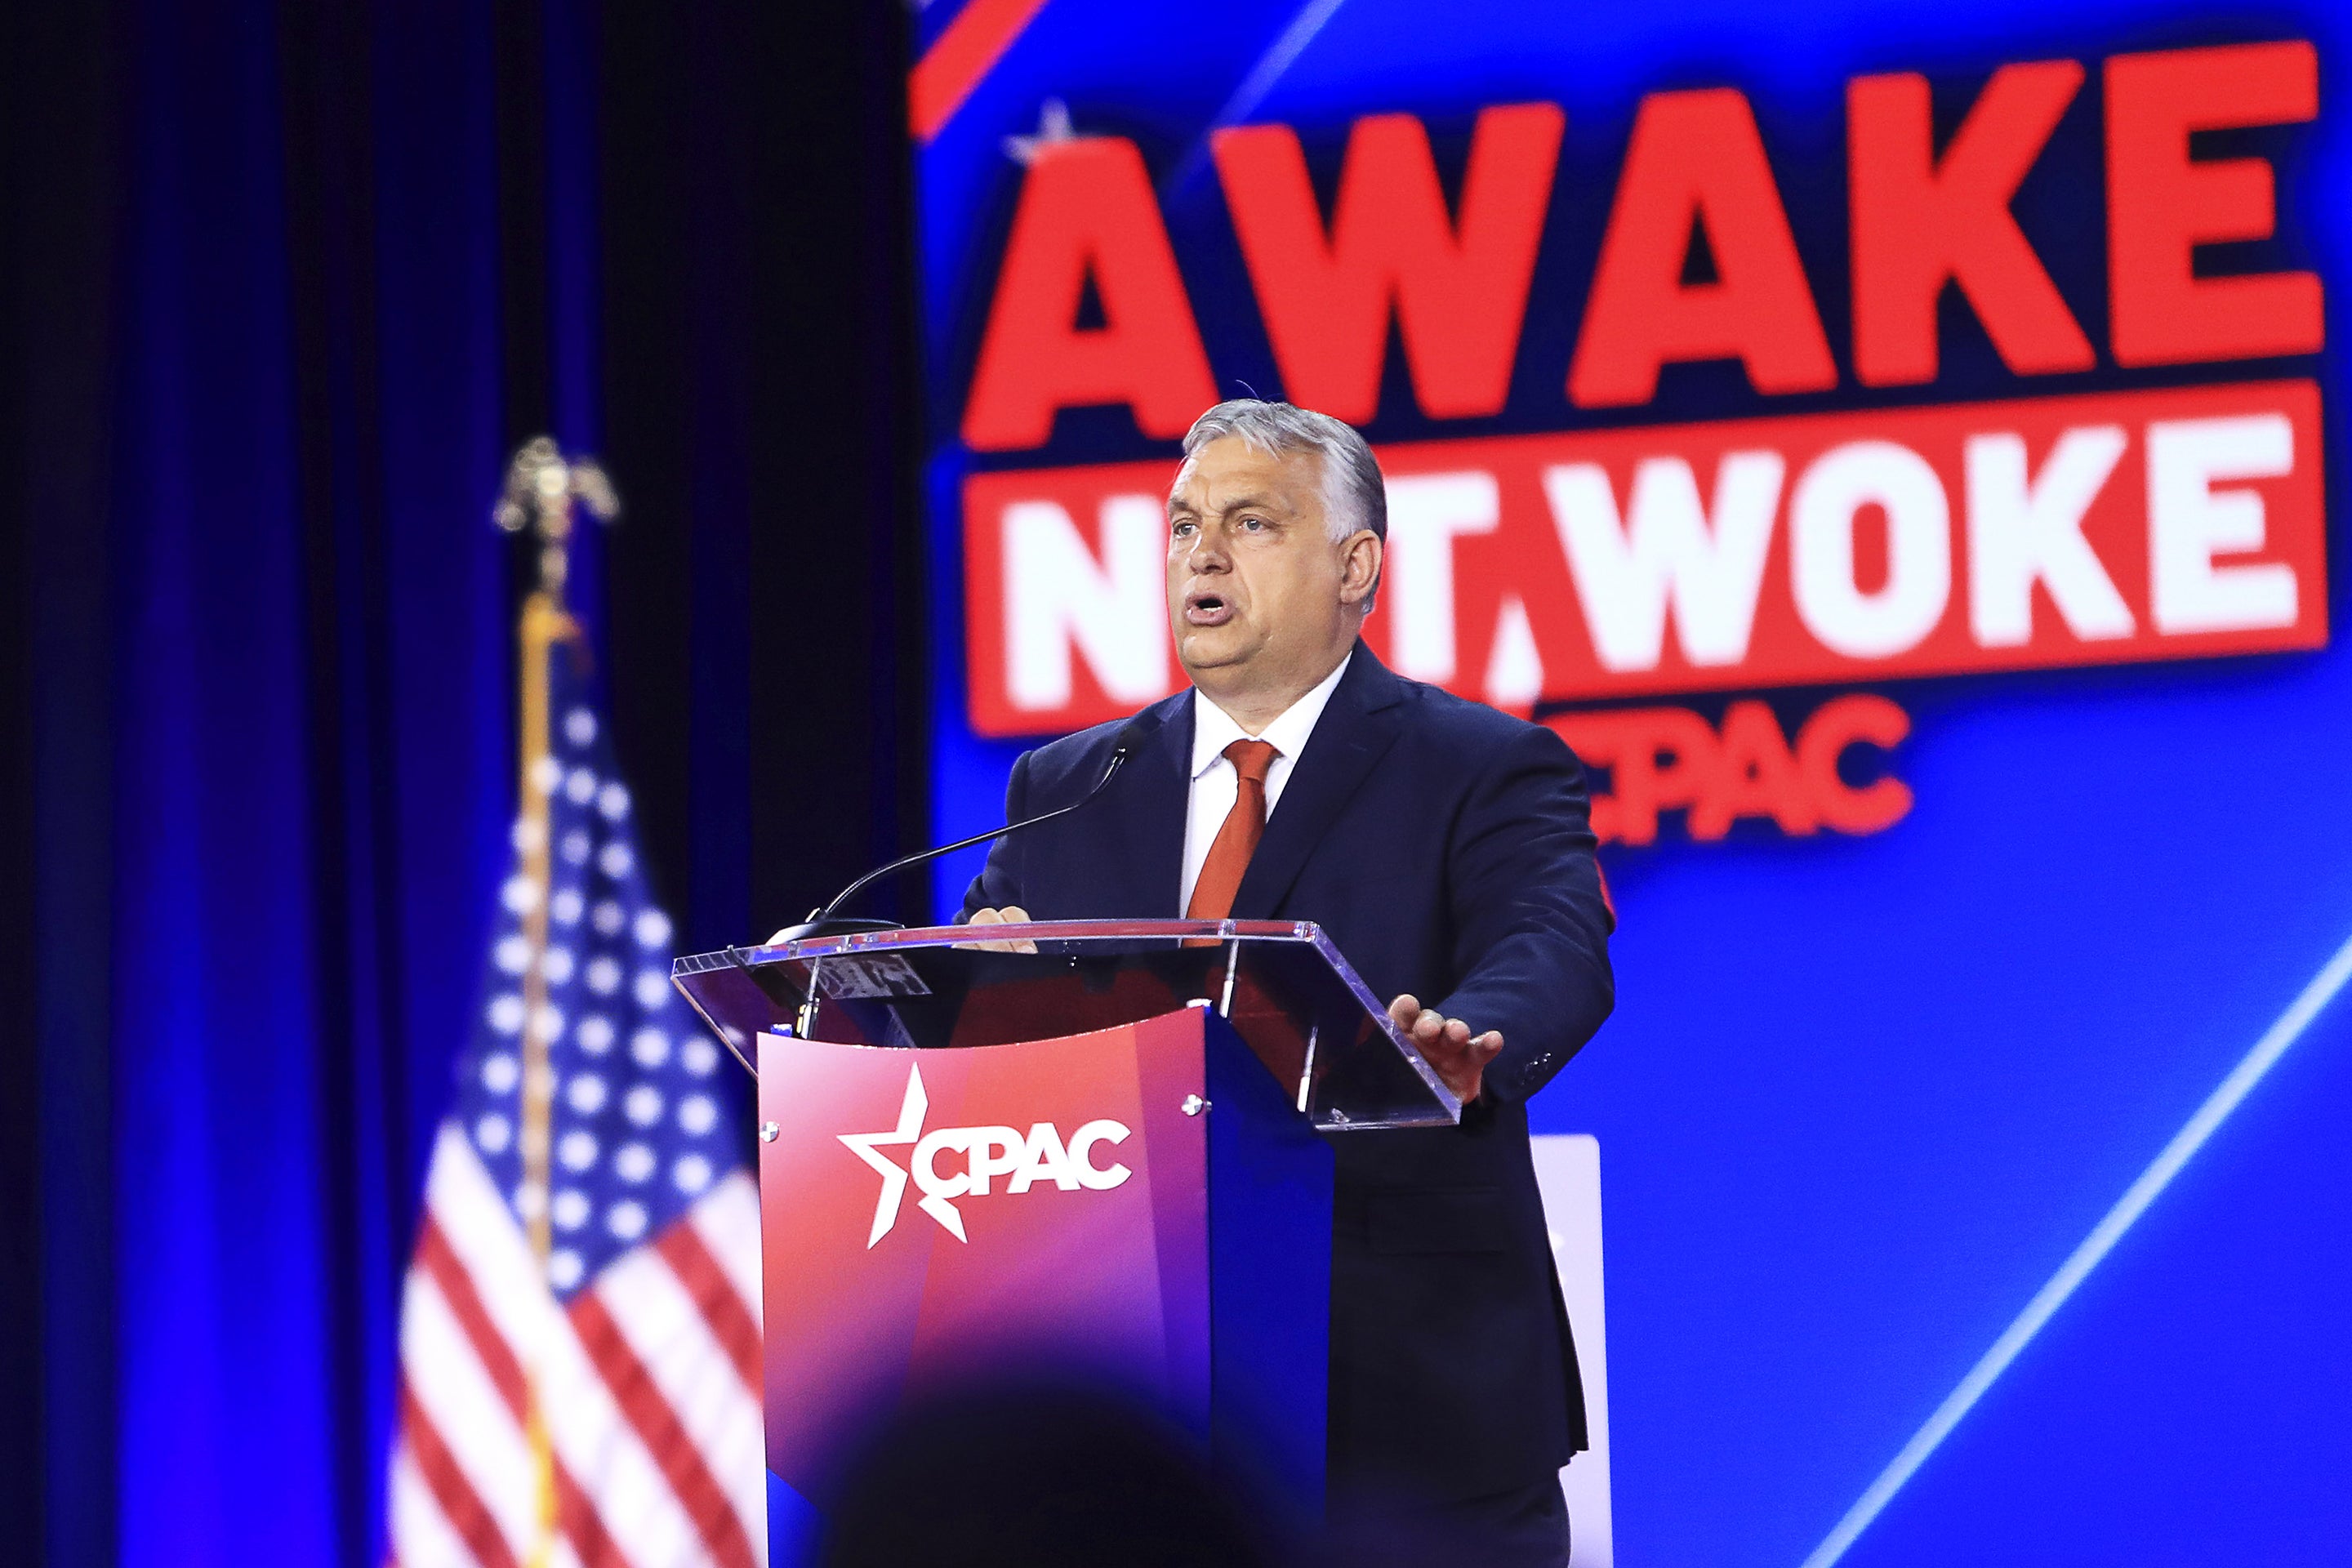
pixel 1353 494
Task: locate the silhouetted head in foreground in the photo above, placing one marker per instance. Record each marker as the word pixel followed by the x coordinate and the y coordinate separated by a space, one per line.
pixel 1038 1479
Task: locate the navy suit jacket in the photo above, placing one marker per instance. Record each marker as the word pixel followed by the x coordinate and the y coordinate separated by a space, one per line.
pixel 1445 849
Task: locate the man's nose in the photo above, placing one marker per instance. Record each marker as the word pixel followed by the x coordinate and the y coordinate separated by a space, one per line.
pixel 1207 553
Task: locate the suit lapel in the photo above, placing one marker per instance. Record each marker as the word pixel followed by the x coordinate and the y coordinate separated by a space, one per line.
pixel 1148 865
pixel 1355 732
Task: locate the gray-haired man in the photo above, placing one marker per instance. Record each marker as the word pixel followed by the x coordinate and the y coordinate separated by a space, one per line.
pixel 1445 849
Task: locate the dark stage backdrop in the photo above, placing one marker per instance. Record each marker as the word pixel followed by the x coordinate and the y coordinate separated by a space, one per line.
pixel 284 287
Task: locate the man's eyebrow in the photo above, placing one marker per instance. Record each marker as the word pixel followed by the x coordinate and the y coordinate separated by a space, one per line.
pixel 1176 504
pixel 1238 503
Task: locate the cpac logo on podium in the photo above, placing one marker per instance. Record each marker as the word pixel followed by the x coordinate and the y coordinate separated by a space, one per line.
pixel 990 1152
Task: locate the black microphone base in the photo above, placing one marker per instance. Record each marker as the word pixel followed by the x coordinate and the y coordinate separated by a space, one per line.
pixel 839 925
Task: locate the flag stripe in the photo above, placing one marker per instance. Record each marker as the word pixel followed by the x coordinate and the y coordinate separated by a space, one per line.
pixel 583 1526
pixel 657 1425
pixel 576 1510
pixel 603 1449
pixel 472 1424
pixel 459 1505
pixel 728 1219
pixel 497 1356
pixel 421 1533
pixel 647 1521
pixel 731 1323
pixel 663 1325
pixel 481 1230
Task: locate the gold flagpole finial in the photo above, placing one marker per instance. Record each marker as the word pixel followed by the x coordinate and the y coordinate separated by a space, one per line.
pixel 541 485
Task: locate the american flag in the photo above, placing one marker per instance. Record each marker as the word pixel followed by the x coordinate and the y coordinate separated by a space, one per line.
pixel 580 1333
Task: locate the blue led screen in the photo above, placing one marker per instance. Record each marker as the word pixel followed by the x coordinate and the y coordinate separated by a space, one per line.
pixel 1974 1186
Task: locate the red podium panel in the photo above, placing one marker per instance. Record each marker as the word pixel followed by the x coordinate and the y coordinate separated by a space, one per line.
pixel 1099 1163
pixel 931 1217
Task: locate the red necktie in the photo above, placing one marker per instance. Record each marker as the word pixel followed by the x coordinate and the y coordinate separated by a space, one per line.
pixel 1229 856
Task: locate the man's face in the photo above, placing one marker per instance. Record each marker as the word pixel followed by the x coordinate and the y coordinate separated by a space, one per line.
pixel 1259 597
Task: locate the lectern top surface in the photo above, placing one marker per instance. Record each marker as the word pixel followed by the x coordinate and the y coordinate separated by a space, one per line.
pixel 1282 985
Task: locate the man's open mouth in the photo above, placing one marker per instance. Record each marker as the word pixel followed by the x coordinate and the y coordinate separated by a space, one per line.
pixel 1207 609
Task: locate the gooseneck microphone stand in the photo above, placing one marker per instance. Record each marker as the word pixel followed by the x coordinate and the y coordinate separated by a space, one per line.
pixel 826 922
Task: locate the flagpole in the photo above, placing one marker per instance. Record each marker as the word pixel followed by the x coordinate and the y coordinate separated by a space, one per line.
pixel 540 488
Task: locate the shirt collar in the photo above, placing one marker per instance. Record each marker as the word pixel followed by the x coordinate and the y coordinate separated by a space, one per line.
pixel 1213 729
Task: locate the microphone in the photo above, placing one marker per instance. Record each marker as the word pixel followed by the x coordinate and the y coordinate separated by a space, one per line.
pixel 825 922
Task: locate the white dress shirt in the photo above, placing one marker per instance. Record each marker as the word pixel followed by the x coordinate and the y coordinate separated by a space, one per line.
pixel 1215 784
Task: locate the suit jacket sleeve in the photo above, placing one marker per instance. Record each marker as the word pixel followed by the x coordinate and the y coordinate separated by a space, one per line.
pixel 998 883
pixel 1531 928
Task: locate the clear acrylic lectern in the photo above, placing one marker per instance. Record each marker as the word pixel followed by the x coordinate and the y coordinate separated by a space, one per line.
pixel 1108 1161
pixel 1282 984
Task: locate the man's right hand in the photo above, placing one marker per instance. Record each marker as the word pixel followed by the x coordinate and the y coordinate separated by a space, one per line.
pixel 1011 914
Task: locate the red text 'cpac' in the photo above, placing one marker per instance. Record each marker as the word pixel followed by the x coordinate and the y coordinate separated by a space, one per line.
pixel 1663 759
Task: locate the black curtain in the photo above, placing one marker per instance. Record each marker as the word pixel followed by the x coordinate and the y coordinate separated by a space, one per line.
pixel 328 266
pixel 60 183
pixel 760 396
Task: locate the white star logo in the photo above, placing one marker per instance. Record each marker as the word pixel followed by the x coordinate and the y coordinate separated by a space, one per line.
pixel 865 1145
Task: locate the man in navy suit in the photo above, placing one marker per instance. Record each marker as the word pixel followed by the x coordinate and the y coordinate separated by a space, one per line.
pixel 1445 849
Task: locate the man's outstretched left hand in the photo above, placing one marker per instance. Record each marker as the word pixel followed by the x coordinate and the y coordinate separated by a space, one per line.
pixel 1447 1045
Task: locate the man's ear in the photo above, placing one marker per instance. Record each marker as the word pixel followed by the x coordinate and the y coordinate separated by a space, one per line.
pixel 1360 569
